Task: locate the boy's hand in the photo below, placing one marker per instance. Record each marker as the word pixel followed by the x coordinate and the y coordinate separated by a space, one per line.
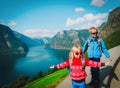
pixel 110 59
pixel 107 63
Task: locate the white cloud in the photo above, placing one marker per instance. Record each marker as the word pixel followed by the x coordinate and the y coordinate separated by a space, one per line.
pixel 92 17
pixel 12 23
pixel 97 3
pixel 91 24
pixel 98 22
pixel 71 22
pixel 87 25
pixel 36 33
pixel 77 21
pixel 2 22
pixel 86 18
pixel 89 17
pixel 79 9
pixel 8 23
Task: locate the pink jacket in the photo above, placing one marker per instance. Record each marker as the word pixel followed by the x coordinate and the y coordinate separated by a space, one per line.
pixel 77 71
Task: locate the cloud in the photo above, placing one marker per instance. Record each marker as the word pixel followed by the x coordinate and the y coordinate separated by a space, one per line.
pixel 86 18
pixel 98 22
pixel 79 9
pixel 71 22
pixel 92 24
pixel 97 3
pixel 38 33
pixel 92 17
pixel 2 22
pixel 8 23
pixel 12 23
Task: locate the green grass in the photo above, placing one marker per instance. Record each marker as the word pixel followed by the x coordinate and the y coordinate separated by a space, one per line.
pixel 48 80
pixel 112 40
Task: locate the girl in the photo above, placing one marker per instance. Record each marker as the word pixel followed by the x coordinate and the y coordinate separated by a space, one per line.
pixel 76 63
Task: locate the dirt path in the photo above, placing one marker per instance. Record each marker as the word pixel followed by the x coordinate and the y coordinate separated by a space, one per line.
pixel 104 72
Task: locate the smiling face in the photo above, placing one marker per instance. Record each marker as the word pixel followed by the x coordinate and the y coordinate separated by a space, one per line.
pixel 93 31
pixel 77 54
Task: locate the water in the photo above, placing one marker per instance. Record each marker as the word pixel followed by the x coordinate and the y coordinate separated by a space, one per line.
pixel 37 59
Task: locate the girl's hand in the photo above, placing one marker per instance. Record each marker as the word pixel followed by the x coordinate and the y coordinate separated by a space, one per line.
pixel 107 63
pixel 52 67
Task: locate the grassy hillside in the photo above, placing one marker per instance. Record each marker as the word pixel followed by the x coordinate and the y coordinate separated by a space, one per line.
pixel 49 81
pixel 112 40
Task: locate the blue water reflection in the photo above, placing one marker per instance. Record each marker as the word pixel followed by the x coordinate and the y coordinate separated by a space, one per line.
pixel 37 59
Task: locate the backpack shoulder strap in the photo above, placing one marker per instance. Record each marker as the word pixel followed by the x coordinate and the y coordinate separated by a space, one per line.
pixel 88 42
pixel 98 40
pixel 99 43
pixel 70 67
pixel 70 63
pixel 83 62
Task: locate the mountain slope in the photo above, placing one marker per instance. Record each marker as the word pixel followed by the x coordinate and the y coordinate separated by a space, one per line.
pixel 9 44
pixel 112 40
pixel 113 23
pixel 67 38
pixel 28 41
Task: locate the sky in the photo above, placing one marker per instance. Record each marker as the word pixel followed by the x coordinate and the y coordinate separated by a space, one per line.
pixel 44 18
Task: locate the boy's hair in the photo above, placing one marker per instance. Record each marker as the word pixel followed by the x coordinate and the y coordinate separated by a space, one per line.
pixel 93 28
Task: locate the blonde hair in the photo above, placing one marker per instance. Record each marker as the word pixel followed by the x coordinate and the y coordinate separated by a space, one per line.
pixel 93 29
pixel 76 47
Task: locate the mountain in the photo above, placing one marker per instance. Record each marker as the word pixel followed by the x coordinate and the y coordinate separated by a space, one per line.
pixel 110 30
pixel 112 40
pixel 30 42
pixel 112 25
pixel 67 38
pixel 42 41
pixel 27 40
pixel 102 26
pixel 10 44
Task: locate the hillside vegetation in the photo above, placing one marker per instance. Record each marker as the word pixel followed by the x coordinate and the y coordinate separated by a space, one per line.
pixel 112 40
pixel 112 25
pixel 49 81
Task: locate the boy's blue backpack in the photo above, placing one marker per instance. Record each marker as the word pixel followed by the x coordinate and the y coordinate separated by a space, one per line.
pixel 98 41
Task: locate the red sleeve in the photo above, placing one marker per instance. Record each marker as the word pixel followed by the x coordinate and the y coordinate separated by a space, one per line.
pixel 91 63
pixel 64 64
